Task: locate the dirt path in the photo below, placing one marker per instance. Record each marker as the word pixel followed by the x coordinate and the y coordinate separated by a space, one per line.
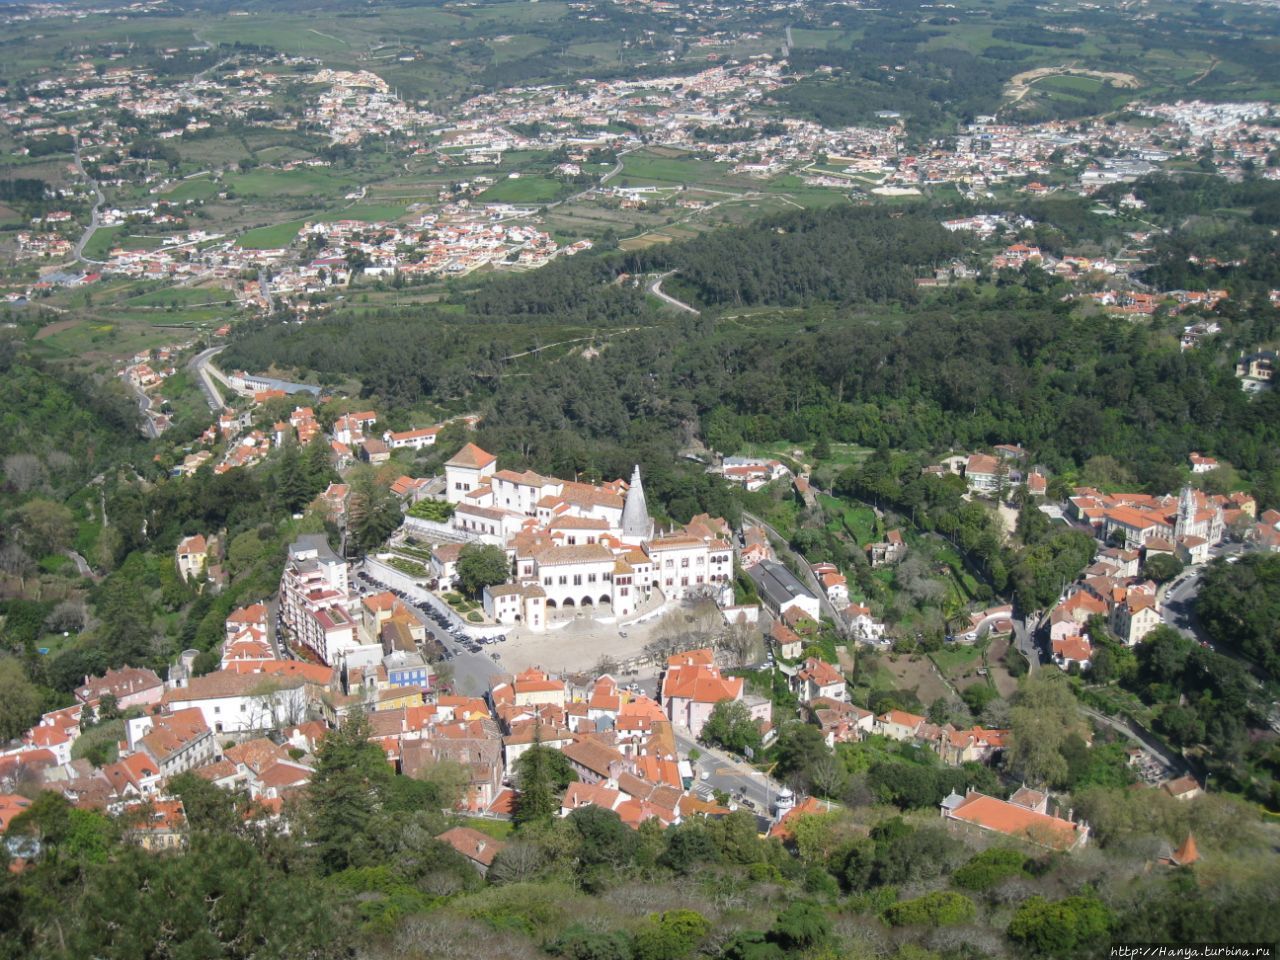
pixel 1213 65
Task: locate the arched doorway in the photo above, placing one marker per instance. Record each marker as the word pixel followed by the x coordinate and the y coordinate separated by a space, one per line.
pixel 551 604
pixel 586 602
pixel 606 599
pixel 568 602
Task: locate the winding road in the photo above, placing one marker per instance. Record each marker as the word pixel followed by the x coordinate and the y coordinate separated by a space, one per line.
pixel 655 288
pixel 97 208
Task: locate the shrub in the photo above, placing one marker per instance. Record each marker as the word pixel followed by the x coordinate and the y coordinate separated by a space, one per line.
pixel 474 617
pixel 670 935
pixel 989 868
pixel 1059 928
pixel 939 909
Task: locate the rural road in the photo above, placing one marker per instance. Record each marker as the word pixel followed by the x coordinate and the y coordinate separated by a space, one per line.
pixel 199 365
pixel 264 288
pixel 1024 637
pixel 97 207
pixel 82 566
pixel 1140 736
pixel 148 424
pixel 655 288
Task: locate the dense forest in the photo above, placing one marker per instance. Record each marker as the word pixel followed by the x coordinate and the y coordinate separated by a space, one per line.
pixel 1009 363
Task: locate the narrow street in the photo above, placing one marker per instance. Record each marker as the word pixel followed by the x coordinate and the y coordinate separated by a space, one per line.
pixel 729 774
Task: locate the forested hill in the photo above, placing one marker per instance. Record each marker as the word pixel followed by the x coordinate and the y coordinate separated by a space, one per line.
pixel 845 254
pixel 860 363
pixel 57 430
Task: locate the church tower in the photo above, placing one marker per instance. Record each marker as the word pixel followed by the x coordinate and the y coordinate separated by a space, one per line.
pixel 635 513
pixel 1186 513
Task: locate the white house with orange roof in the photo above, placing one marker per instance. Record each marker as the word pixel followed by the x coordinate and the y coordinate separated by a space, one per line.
pixel 1201 463
pixel 1072 650
pixel 467 470
pixel 817 678
pixel 1133 617
pixel 833 582
pixel 984 473
pixel 898 724
pixel 1023 817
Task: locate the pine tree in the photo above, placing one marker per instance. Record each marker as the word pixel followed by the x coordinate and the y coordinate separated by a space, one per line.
pixel 373 513
pixel 346 793
pixel 543 773
pixel 293 485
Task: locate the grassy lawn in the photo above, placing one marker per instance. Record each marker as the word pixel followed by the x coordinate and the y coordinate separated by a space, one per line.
pixel 498 829
pixel 857 520
pixel 957 658
pixel 1068 84
pixel 648 167
pixel 183 296
pixel 105 238
pixel 271 238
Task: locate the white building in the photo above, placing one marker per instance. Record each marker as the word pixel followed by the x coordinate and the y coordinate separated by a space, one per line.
pixel 243 702
pixel 177 741
pixel 314 597
pixel 411 439
pixel 468 469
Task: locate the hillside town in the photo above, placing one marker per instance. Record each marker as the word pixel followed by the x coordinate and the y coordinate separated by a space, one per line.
pixel 336 641
pixel 593 125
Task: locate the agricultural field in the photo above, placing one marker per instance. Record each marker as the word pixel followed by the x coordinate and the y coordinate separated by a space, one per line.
pixel 525 189
pixel 290 183
pixel 200 188
pixel 273 237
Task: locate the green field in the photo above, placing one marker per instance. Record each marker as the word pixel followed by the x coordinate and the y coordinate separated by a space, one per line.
pixel 104 238
pixel 958 658
pixel 201 188
pixel 288 183
pixel 524 190
pixel 184 296
pixel 271 238
pixel 646 167
pixel 1068 84
pixel 856 520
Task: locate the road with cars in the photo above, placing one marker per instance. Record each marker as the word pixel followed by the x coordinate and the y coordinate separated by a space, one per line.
pixel 474 663
pixel 733 776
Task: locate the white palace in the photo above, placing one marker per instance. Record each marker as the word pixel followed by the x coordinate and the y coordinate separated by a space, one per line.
pixel 577 545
